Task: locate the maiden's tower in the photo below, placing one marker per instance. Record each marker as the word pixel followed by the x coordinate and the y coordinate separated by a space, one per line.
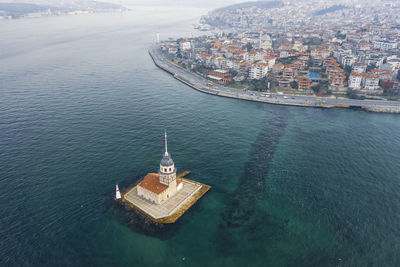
pixel 159 187
pixel 164 196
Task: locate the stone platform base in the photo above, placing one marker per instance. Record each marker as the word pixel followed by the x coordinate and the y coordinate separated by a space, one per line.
pixel 173 208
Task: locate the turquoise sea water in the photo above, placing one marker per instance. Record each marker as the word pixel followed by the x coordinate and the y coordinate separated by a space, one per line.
pixel 82 107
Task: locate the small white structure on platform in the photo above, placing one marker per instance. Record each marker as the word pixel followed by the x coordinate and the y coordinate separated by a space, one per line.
pixel 117 193
pixel 159 187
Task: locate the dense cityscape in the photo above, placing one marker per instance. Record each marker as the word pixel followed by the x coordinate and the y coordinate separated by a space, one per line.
pixel 346 50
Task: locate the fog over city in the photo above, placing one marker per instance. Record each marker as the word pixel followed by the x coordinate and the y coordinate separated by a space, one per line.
pixel 177 3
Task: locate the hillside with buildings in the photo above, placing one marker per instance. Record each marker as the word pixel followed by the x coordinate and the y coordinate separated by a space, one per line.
pixel 350 50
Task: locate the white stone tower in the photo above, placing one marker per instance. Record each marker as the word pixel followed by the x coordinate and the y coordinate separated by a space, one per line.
pixel 167 169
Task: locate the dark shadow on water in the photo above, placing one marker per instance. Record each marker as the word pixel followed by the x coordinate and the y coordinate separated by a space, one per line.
pixel 242 213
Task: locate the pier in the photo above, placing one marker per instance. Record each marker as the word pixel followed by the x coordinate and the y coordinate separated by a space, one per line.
pixel 201 84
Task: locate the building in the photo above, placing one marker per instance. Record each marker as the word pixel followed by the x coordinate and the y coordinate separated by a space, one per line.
pixel 317 60
pixel 278 68
pixel 304 83
pixel 288 73
pixel 348 60
pixel 371 81
pixel 387 84
pixel 254 56
pixel 185 46
pixel 265 41
pixel 258 71
pixel 355 80
pixel 284 83
pixel 385 45
pixel 334 70
pixel 383 74
pixel 359 67
pixel 159 187
pixel 338 79
pixel 220 76
pixel 270 60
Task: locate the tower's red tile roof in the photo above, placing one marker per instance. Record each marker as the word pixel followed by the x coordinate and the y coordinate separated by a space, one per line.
pixel 152 183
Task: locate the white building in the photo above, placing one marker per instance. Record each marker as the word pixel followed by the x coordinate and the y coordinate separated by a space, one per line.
pixel 385 45
pixel 355 80
pixel 347 60
pixel 159 187
pixel 359 67
pixel 265 42
pixel 233 64
pixel 270 61
pixel 172 50
pixel 371 82
pixel 185 46
pixel 254 56
pixel 258 71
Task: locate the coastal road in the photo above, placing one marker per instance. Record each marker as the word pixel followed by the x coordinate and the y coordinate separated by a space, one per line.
pixel 200 83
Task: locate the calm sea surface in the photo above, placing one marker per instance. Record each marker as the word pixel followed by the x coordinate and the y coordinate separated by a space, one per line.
pixel 82 107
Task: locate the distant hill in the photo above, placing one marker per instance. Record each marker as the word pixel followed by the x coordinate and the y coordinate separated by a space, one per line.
pixel 329 10
pixel 259 4
pixel 17 9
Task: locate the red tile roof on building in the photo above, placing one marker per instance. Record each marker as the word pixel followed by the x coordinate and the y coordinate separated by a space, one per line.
pixel 365 75
pixel 383 72
pixel 338 75
pixel 218 44
pixel 152 183
pixel 304 80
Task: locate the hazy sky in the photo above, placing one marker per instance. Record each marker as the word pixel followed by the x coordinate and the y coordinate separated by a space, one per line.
pixel 192 3
pixel 186 3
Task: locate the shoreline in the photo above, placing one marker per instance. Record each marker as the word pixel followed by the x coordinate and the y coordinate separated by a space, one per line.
pixel 200 84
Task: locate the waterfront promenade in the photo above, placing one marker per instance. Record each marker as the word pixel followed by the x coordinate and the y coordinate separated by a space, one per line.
pixel 200 83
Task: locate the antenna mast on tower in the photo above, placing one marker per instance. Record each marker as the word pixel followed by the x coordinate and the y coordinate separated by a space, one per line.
pixel 166 143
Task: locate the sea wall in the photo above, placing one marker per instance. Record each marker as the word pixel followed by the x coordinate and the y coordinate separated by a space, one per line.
pixel 187 78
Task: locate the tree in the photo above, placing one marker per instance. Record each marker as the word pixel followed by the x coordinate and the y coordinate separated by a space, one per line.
pixel 258 85
pixel 249 47
pixel 294 84
pixel 371 66
pixel 322 87
pixel 310 63
pixel 178 54
pixel 178 41
pixel 347 69
pixel 341 36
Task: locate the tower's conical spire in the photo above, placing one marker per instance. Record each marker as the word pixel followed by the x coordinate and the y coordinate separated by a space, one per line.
pixel 166 143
